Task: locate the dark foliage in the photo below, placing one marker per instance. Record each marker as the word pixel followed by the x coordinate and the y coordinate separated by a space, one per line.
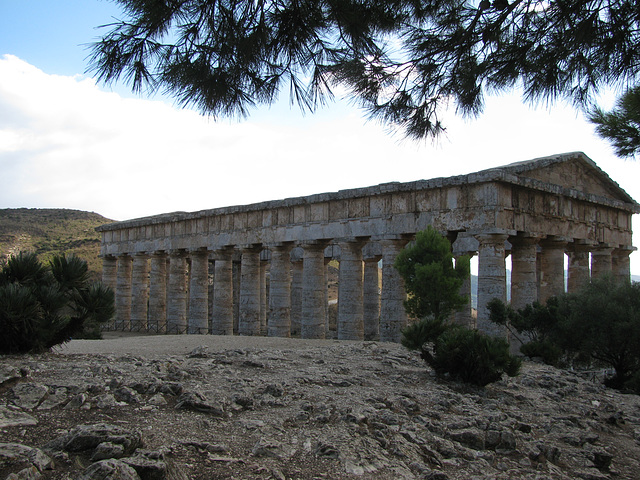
pixel 42 307
pixel 621 126
pixel 402 60
pixel 462 354
pixel 597 326
pixel 535 326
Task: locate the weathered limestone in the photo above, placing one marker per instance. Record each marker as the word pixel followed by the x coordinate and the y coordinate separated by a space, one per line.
pixel 263 297
pixel 249 316
pixel 350 293
pixel 523 270
pixel 621 264
pixel 199 292
pixel 177 294
pixel 552 267
pixel 492 271
pixel 314 306
pixel 280 291
pixel 296 291
pixel 123 293
pixel 371 298
pixel 463 316
pixel 158 293
pixel 109 272
pixel 578 271
pixel 564 200
pixel 601 263
pixel 222 314
pixel 393 317
pixel 139 292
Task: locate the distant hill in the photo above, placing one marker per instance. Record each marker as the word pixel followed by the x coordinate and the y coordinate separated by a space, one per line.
pixel 48 232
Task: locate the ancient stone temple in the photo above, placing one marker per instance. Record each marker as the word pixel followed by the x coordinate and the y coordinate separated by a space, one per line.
pixel 207 271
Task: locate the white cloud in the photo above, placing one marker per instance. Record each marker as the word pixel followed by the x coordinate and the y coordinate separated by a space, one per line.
pixel 64 142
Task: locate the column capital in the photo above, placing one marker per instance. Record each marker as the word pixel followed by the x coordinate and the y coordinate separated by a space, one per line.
pixel 603 248
pixel 280 245
pixel 522 239
pixel 580 246
pixel 319 243
pixel 491 237
pixel 554 241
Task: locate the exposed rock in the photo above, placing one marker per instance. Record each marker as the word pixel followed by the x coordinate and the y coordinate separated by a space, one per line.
pixel 15 418
pixel 88 437
pixel 15 454
pixel 305 410
pixel 28 395
pixel 109 470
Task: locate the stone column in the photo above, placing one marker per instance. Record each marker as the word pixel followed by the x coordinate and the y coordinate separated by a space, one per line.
pixel 314 306
pixel 463 316
pixel 492 279
pixel 109 271
pixel 371 299
pixel 393 317
pixel 139 292
pixel 177 293
pixel 578 271
pixel 350 295
pixel 222 314
pixel 296 291
pixel 249 314
pixel 280 291
pixel 123 293
pixel 158 292
pixel 601 263
pixel 199 292
pixel 621 264
pixel 551 268
pixel 524 252
pixel 327 332
pixel 263 297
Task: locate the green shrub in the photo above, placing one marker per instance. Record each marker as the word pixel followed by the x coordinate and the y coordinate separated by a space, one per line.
pixel 599 326
pixel 42 306
pixel 461 353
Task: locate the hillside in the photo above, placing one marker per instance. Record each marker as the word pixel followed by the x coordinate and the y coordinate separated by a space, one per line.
pixel 52 231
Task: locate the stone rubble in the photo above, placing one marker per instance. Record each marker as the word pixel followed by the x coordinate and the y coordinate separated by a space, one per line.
pixel 364 410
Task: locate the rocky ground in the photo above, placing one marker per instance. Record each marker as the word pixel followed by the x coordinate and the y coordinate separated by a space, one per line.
pixel 204 407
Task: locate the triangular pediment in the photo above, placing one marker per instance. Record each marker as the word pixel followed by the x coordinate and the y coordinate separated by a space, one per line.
pixel 571 170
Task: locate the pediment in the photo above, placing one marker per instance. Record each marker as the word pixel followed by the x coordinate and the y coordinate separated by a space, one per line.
pixel 572 170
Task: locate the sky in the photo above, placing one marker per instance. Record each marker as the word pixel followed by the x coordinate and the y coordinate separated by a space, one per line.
pixel 68 142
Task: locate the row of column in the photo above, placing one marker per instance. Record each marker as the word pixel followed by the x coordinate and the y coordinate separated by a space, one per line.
pixel 175 295
pixel 538 269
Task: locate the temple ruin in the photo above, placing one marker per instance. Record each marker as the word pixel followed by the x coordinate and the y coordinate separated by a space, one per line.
pixel 181 272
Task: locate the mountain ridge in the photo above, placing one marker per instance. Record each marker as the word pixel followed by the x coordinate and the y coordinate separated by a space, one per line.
pixel 51 231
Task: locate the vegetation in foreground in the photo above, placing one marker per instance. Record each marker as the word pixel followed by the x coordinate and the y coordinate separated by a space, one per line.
pixel 45 305
pixel 433 285
pixel 597 327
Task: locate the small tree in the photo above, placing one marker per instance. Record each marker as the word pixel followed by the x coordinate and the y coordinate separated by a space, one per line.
pixel 430 278
pixel 535 326
pixel 44 306
pixel 433 285
pixel 603 325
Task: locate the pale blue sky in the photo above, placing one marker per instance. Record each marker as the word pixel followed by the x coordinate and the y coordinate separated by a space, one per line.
pixel 66 142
